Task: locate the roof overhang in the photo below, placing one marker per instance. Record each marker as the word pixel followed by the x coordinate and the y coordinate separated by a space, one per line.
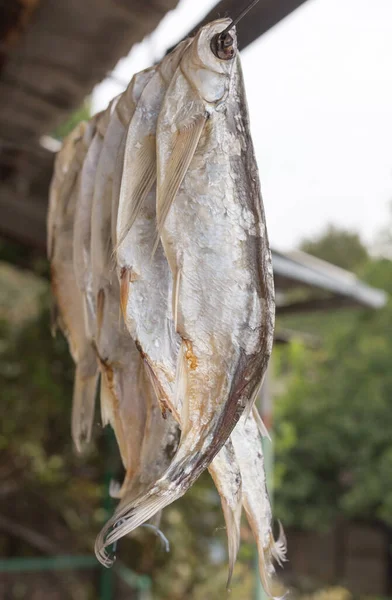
pixel 326 286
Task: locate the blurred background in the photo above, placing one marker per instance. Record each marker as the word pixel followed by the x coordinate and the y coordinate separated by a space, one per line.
pixel 319 88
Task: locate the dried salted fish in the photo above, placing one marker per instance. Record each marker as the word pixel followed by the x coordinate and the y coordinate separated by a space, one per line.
pixel 121 118
pixel 162 275
pixel 248 450
pixel 211 223
pixel 134 248
pixel 212 226
pixel 63 201
pixel 128 402
pixel 82 228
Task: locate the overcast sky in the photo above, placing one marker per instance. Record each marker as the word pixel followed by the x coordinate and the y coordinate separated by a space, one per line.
pixel 319 88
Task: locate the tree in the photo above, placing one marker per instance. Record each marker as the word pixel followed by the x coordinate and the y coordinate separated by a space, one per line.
pixel 333 423
pixel 338 246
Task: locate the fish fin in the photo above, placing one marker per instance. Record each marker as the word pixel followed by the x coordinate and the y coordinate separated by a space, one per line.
pixel 273 550
pixel 158 391
pixel 130 517
pixel 225 472
pixel 159 533
pixel 143 178
pixel 88 317
pixel 276 550
pixel 124 290
pixel 249 407
pixel 184 148
pixel 107 417
pixel 110 401
pixel 233 521
pixel 100 311
pixel 83 406
pixel 260 424
pixel 176 293
pixel 115 489
pixel 279 547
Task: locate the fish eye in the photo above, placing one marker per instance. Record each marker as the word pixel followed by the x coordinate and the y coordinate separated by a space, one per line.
pixel 222 45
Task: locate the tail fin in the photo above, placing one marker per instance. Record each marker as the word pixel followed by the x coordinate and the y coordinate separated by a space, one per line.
pixel 130 517
pixel 226 474
pixel 275 550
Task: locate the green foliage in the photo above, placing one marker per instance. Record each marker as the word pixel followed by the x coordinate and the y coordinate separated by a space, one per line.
pixel 38 462
pixel 339 247
pixel 333 423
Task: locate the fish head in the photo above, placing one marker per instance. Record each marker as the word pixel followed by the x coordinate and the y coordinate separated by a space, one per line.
pixel 208 62
pixel 170 62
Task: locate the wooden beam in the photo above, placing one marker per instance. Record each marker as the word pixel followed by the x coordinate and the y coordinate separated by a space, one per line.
pixel 23 220
pixel 260 19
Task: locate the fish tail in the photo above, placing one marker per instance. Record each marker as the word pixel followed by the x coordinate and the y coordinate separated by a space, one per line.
pixel 233 521
pixel 110 414
pixel 107 416
pixel 279 547
pixel 275 550
pixel 226 474
pixel 83 406
pixel 130 517
pixel 260 424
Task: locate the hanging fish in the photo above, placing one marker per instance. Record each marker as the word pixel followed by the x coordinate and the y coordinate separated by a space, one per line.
pixel 63 200
pixel 212 227
pixel 137 207
pixel 121 118
pixel 146 285
pixel 57 193
pixel 246 440
pixel 123 384
pixel 82 229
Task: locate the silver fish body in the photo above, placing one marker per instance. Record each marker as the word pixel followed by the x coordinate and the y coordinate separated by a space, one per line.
pixel 146 284
pixel 147 306
pixel 248 450
pixel 212 227
pixel 82 229
pixel 121 118
pixel 169 188
pixel 123 401
pixel 66 292
pixel 211 222
pixel 126 395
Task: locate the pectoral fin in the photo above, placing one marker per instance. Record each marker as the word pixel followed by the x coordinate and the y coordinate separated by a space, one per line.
pixel 184 147
pixel 138 178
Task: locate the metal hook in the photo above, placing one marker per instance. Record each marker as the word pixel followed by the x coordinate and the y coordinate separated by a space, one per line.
pixel 240 16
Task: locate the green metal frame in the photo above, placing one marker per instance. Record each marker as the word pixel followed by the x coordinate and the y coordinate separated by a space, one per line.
pixel 73 562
